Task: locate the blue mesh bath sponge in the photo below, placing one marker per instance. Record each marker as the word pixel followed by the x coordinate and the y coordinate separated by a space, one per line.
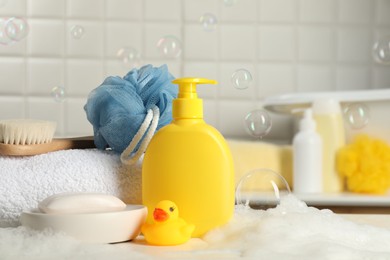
pixel 117 108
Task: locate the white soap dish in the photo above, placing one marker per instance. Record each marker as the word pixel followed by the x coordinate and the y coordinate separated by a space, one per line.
pixel 105 227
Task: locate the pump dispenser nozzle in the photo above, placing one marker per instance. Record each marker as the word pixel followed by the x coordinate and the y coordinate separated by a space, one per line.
pixel 187 104
pixel 307 122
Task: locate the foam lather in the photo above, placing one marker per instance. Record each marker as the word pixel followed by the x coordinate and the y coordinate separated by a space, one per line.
pixel 117 108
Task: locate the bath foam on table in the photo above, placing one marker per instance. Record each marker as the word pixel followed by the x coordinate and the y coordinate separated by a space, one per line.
pixel 295 231
pixel 290 231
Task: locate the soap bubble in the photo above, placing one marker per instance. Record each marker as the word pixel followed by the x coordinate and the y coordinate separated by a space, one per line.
pixel 381 51
pixel 208 21
pixel 230 2
pixel 4 38
pixel 357 115
pixel 258 123
pixel 58 93
pixel 241 79
pixel 129 56
pixel 16 28
pixel 169 46
pixel 261 189
pixel 12 29
pixel 77 32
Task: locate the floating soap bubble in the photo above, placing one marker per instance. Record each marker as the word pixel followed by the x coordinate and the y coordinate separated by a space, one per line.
pixel 241 79
pixel 208 21
pixel 12 29
pixel 261 189
pixel 16 28
pixel 381 51
pixel 230 2
pixel 58 93
pixel 258 123
pixel 169 46
pixel 77 32
pixel 4 39
pixel 357 115
pixel 129 56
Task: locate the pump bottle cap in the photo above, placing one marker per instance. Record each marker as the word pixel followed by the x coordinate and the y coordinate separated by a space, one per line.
pixel 187 105
pixel 307 122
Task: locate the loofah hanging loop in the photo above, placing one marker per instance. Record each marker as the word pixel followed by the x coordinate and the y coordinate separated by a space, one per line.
pixel 119 106
pixel 148 129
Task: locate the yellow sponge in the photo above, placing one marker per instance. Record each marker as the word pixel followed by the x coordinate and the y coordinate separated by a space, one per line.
pixel 365 163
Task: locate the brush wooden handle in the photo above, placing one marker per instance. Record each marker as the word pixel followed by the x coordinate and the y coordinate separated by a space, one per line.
pixel 54 145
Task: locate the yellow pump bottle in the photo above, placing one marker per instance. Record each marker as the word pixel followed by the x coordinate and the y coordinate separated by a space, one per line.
pixel 189 162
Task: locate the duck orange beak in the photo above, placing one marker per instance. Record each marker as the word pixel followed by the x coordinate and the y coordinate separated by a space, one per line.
pixel 160 215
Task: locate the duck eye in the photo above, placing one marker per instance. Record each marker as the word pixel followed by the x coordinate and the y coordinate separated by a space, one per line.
pixel 171 209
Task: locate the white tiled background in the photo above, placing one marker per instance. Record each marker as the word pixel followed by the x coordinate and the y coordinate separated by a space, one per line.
pixel 287 45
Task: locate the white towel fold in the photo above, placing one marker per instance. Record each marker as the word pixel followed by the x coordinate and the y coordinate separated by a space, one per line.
pixel 25 181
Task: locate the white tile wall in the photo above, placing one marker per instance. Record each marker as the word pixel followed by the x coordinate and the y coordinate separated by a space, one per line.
pixel 355 11
pixel 88 9
pixel 200 45
pixel 276 43
pixel 12 107
pixel 91 42
pixel 46 38
pixel 242 11
pixel 82 76
pixel 238 42
pixel 315 78
pixel 153 32
pixel 123 10
pixel 278 10
pixel 287 45
pixel 46 8
pixel 194 9
pixel 12 76
pixel 382 12
pixel 352 77
pixel 167 10
pixel 275 79
pixel 43 74
pixel 115 38
pixel 317 11
pixel 352 43
pixel 44 108
pixel 14 7
pixel 316 43
pixel 231 116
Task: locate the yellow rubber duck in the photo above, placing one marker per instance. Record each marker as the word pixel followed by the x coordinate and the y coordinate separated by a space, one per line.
pixel 167 228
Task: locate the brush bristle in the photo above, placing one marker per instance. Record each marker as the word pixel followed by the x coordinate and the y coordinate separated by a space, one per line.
pixel 26 131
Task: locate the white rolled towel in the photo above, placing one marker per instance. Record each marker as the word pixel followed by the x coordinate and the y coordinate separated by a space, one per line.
pixel 25 181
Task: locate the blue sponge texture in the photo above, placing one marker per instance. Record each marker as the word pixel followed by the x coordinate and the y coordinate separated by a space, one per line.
pixel 117 108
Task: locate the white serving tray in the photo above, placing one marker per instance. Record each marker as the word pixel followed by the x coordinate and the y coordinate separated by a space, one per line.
pixel 345 199
pixel 324 199
pixel 288 102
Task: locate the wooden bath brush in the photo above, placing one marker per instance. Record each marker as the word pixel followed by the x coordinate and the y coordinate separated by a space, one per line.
pixel 24 137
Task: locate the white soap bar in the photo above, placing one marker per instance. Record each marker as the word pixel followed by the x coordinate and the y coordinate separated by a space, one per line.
pixel 73 203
